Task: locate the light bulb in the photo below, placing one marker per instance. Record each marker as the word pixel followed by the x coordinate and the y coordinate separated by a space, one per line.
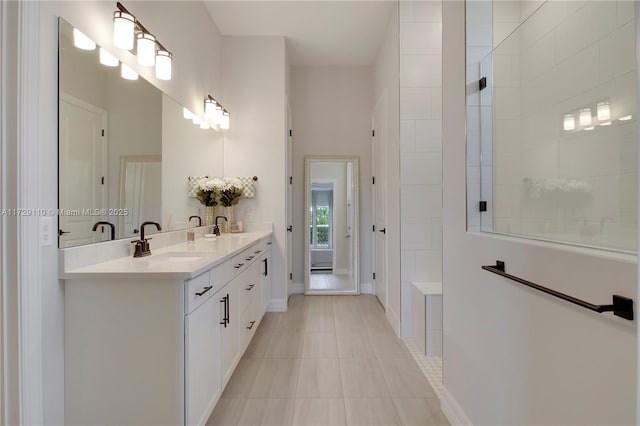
pixel 604 111
pixel 585 117
pixel 187 114
pixel 81 41
pixel 210 108
pixel 224 124
pixel 569 122
pixel 123 30
pixel 146 49
pixel 127 73
pixel 107 58
pixel 163 65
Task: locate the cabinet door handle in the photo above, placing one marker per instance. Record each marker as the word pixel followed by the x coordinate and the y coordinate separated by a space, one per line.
pixel 239 265
pixel 383 230
pixel 252 324
pixel 206 289
pixel 228 310
pixel 250 287
pixel 269 243
pixel 266 267
pixel 224 318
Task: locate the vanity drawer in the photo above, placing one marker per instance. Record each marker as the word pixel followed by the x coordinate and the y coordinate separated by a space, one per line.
pixel 200 288
pixel 251 287
pixel 241 261
pixel 250 323
pixel 197 291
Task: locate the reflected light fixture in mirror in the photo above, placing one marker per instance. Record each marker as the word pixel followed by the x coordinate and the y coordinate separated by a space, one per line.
pixel 108 59
pixel 585 117
pixel 224 124
pixel 604 111
pixel 569 122
pixel 81 41
pixel 187 114
pixel 127 73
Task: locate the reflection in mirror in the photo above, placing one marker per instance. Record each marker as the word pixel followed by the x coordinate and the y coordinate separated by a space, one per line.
pixel 112 135
pixel 331 242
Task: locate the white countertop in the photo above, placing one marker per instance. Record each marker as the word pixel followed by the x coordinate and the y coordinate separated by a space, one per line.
pixel 181 261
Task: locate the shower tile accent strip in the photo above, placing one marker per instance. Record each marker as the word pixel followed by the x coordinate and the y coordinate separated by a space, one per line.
pixel 431 366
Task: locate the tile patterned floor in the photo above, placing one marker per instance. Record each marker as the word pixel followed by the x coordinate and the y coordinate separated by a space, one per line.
pixel 328 360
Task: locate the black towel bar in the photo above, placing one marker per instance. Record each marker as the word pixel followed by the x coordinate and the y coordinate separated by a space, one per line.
pixel 621 307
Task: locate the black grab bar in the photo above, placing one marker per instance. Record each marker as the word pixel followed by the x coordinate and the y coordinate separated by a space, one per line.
pixel 621 307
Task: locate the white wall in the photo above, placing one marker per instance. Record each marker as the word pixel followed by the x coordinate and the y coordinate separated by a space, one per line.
pixel 385 80
pixel 512 355
pixel 187 30
pixel 420 148
pixel 331 109
pixel 254 93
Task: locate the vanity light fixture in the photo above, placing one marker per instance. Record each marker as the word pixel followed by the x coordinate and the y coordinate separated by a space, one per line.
pixel 210 105
pixel 126 29
pixel 81 41
pixel 224 124
pixel 603 110
pixel 127 73
pixel 569 122
pixel 217 116
pixel 187 114
pixel 204 125
pixel 108 59
pixel 585 117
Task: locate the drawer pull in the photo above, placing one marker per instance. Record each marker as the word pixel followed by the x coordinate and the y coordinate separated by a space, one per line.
pixel 239 265
pixel 269 243
pixel 250 287
pixel 257 252
pixel 249 258
pixel 206 289
pixel 252 324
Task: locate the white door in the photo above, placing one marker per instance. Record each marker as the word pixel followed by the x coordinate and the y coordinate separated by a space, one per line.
pixel 379 152
pixel 289 202
pixel 83 155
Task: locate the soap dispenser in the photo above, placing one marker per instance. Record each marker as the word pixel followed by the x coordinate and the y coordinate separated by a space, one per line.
pixel 191 235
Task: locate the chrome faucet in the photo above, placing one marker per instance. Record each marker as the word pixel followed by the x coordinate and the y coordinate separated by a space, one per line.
pixel 216 228
pixel 113 228
pixel 195 217
pixel 142 245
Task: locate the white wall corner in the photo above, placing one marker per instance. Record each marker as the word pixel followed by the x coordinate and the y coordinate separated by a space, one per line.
pixel 394 320
pixel 297 288
pixel 452 410
pixel 277 305
pixel 366 288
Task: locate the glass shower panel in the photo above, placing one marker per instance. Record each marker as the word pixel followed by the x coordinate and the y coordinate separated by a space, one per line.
pixel 558 138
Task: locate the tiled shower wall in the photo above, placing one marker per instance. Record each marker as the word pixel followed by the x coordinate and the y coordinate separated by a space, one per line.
pixel 420 147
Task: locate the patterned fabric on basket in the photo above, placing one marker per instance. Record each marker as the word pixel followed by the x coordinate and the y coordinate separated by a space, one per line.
pixel 194 181
pixel 248 190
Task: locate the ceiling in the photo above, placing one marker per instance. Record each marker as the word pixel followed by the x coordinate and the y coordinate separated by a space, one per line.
pixel 319 33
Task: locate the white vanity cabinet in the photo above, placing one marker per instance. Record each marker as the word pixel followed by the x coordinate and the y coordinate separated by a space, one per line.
pixel 156 349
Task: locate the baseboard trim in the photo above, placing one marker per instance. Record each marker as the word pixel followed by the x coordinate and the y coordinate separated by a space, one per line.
pixel 297 288
pixel 277 305
pixel 393 319
pixel 366 288
pixel 452 410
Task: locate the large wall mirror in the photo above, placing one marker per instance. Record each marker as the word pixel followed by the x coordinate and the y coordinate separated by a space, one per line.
pixel 125 150
pixel 331 225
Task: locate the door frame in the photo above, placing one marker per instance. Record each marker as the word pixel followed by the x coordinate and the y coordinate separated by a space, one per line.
pixel 382 182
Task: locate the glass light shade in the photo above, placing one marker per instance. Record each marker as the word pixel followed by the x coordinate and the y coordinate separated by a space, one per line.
pixel 625 118
pixel 217 115
pixel 210 108
pixel 604 111
pixel 589 128
pixel 585 117
pixel 569 122
pixel 196 120
pixel 204 125
pixel 163 65
pixel 108 59
pixel 127 73
pixel 123 30
pixel 606 123
pixel 146 49
pixel 187 114
pixel 224 124
pixel 81 41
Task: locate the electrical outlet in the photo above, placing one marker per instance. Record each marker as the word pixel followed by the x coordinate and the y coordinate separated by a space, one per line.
pixel 46 231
